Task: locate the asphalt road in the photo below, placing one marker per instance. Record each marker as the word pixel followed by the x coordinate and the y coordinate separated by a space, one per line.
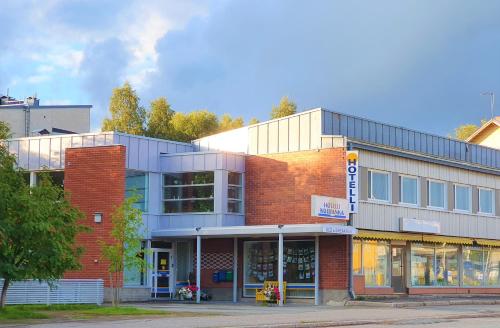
pixel 249 315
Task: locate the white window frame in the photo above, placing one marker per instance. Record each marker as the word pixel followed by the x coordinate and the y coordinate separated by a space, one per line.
pixel 445 195
pixel 389 187
pixel 401 177
pixel 455 185
pixel 493 208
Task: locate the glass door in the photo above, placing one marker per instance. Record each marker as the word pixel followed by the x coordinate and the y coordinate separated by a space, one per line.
pixel 162 265
pixel 398 269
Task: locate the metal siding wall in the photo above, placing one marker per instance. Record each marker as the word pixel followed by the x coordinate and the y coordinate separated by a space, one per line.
pixel 294 134
pixel 283 136
pixel 274 137
pixel 263 139
pixel 253 139
pixel 305 131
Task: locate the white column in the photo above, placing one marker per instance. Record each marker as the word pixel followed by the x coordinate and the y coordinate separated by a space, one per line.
pixel 316 271
pixel 235 270
pixel 280 267
pixel 32 179
pixel 198 268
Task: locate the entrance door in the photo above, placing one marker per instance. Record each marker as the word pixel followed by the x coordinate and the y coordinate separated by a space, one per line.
pixel 398 269
pixel 161 273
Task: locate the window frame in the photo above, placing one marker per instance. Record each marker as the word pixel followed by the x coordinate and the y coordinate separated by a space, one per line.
pixel 455 209
pixel 389 186
pixel 165 200
pixel 404 176
pixel 445 195
pixel 242 196
pixel 493 208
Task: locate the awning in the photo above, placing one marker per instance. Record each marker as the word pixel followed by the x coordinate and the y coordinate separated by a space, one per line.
pixel 258 231
pixel 384 235
pixel 448 240
pixel 488 242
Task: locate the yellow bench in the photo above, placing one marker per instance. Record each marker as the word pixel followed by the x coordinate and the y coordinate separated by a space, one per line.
pixel 259 293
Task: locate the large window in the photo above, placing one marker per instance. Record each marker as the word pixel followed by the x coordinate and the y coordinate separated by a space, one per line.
pixel 434 265
pixel 261 263
pixel 473 266
pixel 136 183
pixel 492 263
pixel 463 198
pixel 136 276
pixel 408 190
pixel 486 201
pixel 376 265
pixel 188 192
pixel 437 197
pixel 378 185
pixel 234 193
pixel 357 266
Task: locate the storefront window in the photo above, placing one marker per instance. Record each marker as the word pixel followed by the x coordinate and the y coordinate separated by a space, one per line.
pixel 473 266
pixel 376 263
pixel 447 266
pixel 136 275
pixel 261 264
pixel 492 262
pixel 188 192
pixel 422 265
pixel 356 257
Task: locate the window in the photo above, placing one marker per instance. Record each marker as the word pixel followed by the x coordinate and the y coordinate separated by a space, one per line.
pixel 136 276
pixel 437 194
pixel 356 257
pixel 486 201
pixel 136 183
pixel 463 198
pixel 408 190
pixel 184 260
pixel 492 263
pixel 378 185
pixel 188 192
pixel 434 265
pixel 234 193
pixel 473 266
pixel 376 265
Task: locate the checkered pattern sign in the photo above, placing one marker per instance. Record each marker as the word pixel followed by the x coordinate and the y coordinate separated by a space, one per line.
pixel 215 261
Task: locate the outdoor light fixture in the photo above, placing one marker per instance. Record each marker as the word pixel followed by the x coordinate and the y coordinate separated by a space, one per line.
pixel 97 217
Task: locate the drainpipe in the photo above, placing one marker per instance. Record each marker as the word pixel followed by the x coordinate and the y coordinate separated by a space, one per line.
pixel 350 286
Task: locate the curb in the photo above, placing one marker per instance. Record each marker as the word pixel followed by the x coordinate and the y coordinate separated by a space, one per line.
pixel 421 303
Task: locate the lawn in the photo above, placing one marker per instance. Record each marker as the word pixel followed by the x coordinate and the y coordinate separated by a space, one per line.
pixel 78 312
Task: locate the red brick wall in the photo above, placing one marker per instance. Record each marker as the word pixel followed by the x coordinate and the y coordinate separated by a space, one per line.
pixel 223 245
pixel 279 186
pixel 333 262
pixel 95 179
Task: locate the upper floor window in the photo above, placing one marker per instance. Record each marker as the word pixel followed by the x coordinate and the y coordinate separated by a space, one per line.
pixel 437 194
pixel 408 190
pixel 486 201
pixel 136 183
pixel 463 198
pixel 188 192
pixel 378 185
pixel 234 193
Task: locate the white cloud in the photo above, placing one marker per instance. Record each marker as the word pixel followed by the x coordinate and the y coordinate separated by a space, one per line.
pixel 35 79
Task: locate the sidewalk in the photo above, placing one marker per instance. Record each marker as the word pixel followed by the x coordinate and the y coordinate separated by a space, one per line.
pixel 417 301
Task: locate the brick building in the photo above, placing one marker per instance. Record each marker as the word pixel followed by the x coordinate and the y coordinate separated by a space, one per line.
pixel 417 214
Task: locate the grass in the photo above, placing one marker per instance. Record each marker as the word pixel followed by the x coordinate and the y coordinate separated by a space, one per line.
pixel 78 312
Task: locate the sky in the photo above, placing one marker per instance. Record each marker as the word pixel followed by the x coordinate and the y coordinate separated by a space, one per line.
pixel 420 64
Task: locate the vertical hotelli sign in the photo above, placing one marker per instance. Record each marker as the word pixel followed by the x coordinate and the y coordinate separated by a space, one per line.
pixel 352 185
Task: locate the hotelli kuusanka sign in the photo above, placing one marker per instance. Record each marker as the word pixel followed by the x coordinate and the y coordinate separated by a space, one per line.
pixel 329 207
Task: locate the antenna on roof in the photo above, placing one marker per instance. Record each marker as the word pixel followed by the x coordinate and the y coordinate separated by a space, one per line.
pixel 492 101
pixel 7 92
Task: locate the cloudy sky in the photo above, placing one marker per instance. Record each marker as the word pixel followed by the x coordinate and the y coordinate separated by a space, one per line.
pixel 420 64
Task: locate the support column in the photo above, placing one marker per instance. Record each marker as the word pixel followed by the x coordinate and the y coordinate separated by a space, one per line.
pixel 235 270
pixel 280 267
pixel 32 179
pixel 316 271
pixel 198 268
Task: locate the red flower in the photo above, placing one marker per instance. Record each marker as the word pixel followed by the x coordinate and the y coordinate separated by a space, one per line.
pixel 277 293
pixel 192 288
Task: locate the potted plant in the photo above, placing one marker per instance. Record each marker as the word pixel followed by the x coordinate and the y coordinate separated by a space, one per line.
pixel 188 292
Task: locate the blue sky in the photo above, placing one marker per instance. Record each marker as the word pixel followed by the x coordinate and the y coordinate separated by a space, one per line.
pixel 420 64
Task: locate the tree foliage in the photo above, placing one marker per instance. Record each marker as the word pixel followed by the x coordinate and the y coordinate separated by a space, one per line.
pixel 227 123
pixel 126 114
pixel 122 253
pixel 286 107
pixel 4 130
pixel 159 119
pixel 253 121
pixel 194 125
pixel 38 227
pixel 464 131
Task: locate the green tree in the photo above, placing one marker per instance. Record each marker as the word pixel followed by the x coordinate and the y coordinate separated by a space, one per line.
pixel 194 125
pixel 4 130
pixel 253 121
pixel 228 123
pixel 123 252
pixel 286 107
pixel 159 119
pixel 464 131
pixel 38 227
pixel 126 114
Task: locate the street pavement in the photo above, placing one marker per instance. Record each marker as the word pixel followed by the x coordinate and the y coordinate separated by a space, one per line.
pixel 295 315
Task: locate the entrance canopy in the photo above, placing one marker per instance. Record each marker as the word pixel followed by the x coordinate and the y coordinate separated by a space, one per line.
pixel 257 231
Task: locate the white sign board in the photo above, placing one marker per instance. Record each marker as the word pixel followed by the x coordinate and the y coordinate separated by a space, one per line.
pixel 416 225
pixel 352 186
pixel 329 207
pixel 339 229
